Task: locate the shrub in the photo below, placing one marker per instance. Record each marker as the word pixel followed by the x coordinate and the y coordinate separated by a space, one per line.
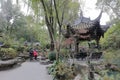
pixel 8 41
pixel 61 71
pixel 110 75
pixel 112 56
pixel 52 56
pixel 8 53
pixel 64 54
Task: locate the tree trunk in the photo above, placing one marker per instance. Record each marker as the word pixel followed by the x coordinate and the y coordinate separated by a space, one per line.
pixel 49 22
pixel 52 46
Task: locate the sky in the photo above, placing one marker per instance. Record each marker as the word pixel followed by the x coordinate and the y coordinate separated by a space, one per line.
pixel 89 10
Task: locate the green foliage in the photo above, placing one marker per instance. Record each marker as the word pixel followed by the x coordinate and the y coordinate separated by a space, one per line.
pixel 111 44
pixel 10 16
pixel 34 6
pixel 110 75
pixel 112 37
pixel 64 53
pixel 20 48
pixel 109 5
pixel 55 13
pixel 8 41
pixel 61 71
pixel 112 56
pixel 8 53
pixel 52 56
pixel 51 69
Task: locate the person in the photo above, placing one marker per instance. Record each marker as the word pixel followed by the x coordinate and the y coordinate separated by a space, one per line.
pixel 35 54
pixel 31 54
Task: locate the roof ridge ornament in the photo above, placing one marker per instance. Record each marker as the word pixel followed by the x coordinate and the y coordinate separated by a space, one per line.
pixel 99 17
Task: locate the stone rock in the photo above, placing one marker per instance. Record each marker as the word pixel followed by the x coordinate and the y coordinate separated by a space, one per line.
pixel 78 77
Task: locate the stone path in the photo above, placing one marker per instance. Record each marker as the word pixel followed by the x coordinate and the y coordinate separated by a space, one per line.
pixel 27 71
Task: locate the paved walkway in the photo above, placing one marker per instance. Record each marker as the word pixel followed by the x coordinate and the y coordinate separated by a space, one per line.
pixel 27 71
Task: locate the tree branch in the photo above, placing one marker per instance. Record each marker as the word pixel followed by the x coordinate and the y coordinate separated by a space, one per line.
pixel 56 11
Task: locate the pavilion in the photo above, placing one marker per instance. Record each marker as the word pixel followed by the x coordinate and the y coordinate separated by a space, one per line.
pixel 85 29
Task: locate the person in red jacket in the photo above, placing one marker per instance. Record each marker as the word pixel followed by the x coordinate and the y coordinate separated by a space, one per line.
pixel 35 54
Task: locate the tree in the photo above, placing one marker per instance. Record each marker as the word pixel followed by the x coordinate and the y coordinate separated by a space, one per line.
pixel 56 13
pixel 112 37
pixel 112 7
pixel 111 44
pixel 36 31
pixel 10 16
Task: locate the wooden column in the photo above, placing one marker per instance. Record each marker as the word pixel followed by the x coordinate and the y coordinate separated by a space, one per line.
pixel 76 46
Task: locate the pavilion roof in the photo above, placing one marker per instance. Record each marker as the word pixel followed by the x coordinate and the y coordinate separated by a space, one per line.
pixel 85 22
pixel 81 19
pixel 84 28
pixel 105 27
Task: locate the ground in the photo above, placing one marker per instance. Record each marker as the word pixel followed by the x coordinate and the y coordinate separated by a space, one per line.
pixel 27 71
